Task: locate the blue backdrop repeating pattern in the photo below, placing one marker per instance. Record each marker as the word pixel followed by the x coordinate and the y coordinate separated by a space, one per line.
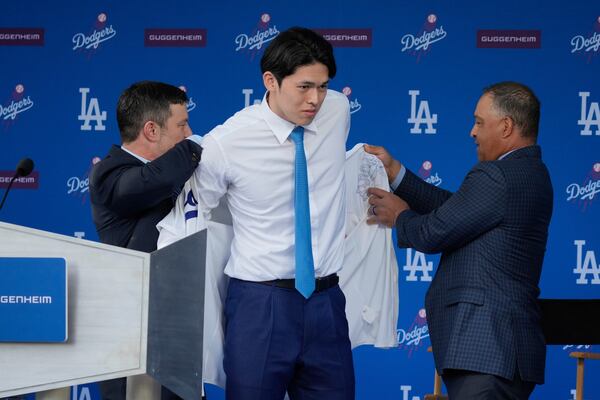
pixel 413 72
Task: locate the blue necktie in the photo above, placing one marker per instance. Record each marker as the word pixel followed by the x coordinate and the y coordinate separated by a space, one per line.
pixel 305 269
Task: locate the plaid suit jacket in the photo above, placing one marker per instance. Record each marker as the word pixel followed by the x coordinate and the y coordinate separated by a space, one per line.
pixel 482 305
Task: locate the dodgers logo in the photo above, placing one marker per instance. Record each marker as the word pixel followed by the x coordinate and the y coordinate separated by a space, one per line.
pixel 101 33
pixel 190 207
pixel 79 186
pixel 588 44
pixel 355 106
pixel 417 262
pixel 190 104
pixel 17 104
pixel 406 393
pixel 586 192
pixel 422 115
pixel 80 392
pixel 419 43
pixel 256 40
pixel 590 115
pixel 425 172
pixel 248 100
pixel 411 338
pixel 91 112
pixel 577 347
pixel 587 267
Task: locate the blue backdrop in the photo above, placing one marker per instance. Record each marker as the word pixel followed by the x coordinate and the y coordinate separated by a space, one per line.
pixel 413 72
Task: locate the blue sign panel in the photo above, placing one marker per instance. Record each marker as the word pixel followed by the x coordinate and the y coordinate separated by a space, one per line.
pixel 33 300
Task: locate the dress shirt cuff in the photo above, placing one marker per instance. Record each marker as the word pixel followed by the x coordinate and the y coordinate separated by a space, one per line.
pixel 394 185
pixel 196 139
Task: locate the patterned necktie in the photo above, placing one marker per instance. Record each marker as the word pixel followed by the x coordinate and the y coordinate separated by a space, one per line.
pixel 305 269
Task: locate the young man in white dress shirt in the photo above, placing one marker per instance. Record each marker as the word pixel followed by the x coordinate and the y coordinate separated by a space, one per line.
pixel 280 165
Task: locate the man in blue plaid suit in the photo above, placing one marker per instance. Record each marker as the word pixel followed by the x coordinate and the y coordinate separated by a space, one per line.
pixel 482 305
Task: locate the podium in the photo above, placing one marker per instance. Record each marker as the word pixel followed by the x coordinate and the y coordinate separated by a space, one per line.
pixel 129 313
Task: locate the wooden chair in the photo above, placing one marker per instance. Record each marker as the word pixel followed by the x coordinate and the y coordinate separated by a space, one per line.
pixel 581 357
pixel 437 386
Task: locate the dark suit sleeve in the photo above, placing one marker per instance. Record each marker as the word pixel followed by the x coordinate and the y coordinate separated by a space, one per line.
pixel 475 208
pixel 130 190
pixel 421 196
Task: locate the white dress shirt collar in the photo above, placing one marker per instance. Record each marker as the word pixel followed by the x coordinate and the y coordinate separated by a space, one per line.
pixel 142 159
pixel 506 154
pixel 250 162
pixel 280 127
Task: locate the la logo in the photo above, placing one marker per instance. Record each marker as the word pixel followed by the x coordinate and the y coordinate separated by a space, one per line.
pixel 91 112
pixel 422 115
pixel 589 116
pixel 586 265
pixel 417 263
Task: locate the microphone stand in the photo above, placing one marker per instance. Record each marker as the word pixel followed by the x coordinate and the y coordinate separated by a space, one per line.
pixel 8 188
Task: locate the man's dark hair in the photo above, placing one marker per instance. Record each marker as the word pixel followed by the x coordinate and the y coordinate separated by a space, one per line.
pixel 294 48
pixel 146 101
pixel 518 102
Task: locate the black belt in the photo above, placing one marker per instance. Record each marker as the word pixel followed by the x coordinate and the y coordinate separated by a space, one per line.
pixel 321 284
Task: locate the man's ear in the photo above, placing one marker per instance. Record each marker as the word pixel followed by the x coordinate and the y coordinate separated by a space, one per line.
pixel 270 81
pixel 151 131
pixel 508 126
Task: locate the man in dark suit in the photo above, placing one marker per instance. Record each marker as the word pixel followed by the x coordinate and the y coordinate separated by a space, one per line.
pixel 135 186
pixel 482 307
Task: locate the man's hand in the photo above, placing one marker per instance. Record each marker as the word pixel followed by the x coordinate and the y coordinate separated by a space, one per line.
pixel 385 207
pixel 392 166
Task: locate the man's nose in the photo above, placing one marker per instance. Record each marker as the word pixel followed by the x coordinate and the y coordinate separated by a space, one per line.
pixel 312 97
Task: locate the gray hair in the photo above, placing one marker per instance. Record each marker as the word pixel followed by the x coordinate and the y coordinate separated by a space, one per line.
pixel 518 102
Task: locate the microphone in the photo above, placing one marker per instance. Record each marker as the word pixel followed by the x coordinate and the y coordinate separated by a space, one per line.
pixel 24 168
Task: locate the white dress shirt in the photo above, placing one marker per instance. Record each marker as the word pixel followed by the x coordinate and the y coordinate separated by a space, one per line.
pixel 250 160
pixel 369 278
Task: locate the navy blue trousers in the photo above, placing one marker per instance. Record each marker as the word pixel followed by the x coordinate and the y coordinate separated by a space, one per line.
pixel 278 341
